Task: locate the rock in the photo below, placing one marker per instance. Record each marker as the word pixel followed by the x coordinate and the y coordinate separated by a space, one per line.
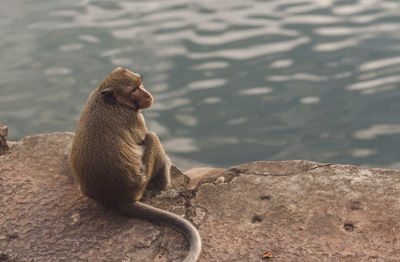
pixel 43 217
pixel 3 135
pixel 3 139
pixel 219 180
pixel 198 173
pixel 300 211
pixel 291 210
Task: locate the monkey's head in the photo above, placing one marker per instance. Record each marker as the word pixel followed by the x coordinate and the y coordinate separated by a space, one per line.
pixel 124 87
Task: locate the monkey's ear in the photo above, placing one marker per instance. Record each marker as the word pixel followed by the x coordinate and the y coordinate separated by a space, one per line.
pixel 108 96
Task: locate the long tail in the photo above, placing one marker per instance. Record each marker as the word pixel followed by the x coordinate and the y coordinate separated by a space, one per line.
pixel 160 216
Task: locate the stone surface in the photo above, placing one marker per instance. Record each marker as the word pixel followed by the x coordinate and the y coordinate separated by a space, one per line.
pixel 43 217
pixel 3 139
pixel 3 135
pixel 198 173
pixel 300 211
pixel 294 210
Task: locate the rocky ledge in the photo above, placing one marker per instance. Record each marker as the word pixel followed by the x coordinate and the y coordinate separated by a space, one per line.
pixel 284 211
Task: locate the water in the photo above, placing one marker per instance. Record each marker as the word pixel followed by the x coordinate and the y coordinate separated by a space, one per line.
pixel 233 81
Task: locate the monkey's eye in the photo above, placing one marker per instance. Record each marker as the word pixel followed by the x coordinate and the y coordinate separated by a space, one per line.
pixel 135 89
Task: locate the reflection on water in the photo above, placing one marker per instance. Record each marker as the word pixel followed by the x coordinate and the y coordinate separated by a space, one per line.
pixel 255 91
pixel 310 100
pixel 233 81
pixel 377 130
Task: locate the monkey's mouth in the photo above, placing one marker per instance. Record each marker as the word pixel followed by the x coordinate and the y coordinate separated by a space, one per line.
pixel 147 103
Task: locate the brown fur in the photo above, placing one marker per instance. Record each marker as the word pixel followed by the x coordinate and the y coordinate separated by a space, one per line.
pixel 114 157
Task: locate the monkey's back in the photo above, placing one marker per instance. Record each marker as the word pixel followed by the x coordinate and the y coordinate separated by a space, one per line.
pixel 105 156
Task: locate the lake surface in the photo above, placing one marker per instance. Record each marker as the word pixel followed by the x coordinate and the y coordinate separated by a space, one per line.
pixel 233 81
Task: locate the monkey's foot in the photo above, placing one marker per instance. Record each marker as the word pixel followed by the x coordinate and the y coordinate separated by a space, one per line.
pixel 170 193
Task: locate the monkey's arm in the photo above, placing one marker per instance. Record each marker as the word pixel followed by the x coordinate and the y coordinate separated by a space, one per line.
pixel 150 149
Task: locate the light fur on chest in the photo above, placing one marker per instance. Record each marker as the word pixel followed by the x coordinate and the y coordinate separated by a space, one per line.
pixel 138 150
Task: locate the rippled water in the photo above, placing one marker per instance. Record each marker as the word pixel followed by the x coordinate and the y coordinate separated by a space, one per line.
pixel 234 81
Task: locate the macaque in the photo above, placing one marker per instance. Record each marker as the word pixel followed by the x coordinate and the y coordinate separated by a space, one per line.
pixel 114 157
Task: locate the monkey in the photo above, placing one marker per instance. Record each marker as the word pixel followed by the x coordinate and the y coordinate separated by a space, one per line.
pixel 114 157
